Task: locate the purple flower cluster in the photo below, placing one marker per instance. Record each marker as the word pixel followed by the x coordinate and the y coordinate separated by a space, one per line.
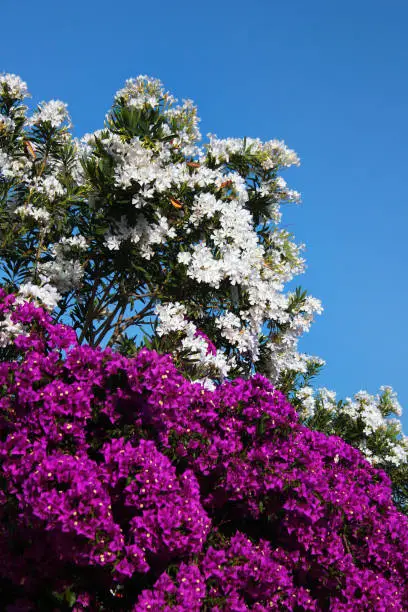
pixel 126 487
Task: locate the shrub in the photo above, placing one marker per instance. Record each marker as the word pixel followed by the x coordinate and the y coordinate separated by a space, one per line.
pixel 125 486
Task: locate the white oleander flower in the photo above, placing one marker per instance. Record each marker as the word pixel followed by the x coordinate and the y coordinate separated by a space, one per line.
pixel 34 212
pixel 53 112
pixel 14 86
pixel 47 294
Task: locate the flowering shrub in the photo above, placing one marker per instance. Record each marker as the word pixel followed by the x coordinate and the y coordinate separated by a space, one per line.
pixel 124 486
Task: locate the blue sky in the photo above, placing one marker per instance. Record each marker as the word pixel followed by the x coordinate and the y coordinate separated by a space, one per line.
pixel 330 78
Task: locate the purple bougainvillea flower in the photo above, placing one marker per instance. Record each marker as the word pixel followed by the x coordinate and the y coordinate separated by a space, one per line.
pixel 125 486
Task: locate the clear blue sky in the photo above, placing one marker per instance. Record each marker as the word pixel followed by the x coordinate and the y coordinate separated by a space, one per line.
pixel 328 77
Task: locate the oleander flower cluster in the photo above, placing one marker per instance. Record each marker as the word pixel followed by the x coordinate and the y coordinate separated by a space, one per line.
pixel 373 417
pixel 125 486
pixel 140 215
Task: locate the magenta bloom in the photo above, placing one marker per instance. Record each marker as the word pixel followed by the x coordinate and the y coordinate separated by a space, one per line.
pixel 126 487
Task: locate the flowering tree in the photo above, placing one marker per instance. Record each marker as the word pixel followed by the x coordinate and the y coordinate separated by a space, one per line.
pixel 140 235
pixel 138 217
pixel 124 486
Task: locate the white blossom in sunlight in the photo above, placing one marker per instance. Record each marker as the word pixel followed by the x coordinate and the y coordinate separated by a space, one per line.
pixel 184 121
pixel 13 86
pixel 269 154
pixel 46 294
pixel 184 257
pixel 53 112
pixel 206 383
pixel 278 154
pixel 34 212
pixel 172 318
pixel 135 162
pixel 365 407
pixel 327 397
pixel 14 168
pixel 6 124
pixel 8 331
pixel 144 234
pixel 204 267
pixel 63 273
pixel 398 453
pixel 391 399
pixel 157 233
pixel 306 396
pixel 285 357
pixel 76 242
pixel 141 91
pixel 244 339
pixel 49 186
pixel 205 206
